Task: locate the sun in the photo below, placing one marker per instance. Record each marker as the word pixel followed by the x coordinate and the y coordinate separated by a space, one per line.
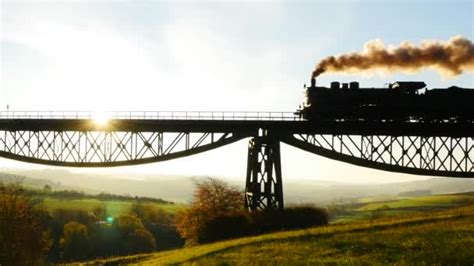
pixel 101 118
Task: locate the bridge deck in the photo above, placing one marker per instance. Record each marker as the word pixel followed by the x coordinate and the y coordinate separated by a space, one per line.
pixel 86 139
pixel 242 127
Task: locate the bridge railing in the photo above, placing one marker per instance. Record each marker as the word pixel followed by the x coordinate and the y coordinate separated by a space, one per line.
pixel 148 115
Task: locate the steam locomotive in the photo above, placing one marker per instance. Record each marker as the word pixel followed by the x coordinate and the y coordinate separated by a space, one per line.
pixel 402 101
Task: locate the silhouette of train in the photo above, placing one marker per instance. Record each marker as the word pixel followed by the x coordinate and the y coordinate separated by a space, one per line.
pixel 402 101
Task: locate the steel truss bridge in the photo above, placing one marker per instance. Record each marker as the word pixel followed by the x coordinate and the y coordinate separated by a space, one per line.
pixel 76 139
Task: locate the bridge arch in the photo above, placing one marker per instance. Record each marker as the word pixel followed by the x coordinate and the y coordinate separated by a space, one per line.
pixel 107 148
pixel 419 155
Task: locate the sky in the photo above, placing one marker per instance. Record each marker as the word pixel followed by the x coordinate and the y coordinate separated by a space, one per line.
pixel 207 55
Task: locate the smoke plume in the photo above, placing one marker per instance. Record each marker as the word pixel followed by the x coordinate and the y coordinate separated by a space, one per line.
pixel 448 58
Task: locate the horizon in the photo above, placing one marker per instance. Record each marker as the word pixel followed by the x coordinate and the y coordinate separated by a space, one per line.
pixel 157 176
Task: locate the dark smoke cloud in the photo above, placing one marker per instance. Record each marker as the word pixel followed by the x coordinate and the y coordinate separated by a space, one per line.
pixel 448 58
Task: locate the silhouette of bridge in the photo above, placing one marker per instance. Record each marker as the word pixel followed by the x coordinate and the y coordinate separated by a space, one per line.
pixel 75 139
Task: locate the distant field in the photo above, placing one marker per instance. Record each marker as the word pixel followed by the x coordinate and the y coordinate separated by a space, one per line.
pixel 379 198
pixel 434 201
pixel 373 207
pixel 113 208
pixel 431 237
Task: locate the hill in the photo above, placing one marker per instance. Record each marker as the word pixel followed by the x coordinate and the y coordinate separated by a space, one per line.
pixel 66 197
pixel 113 208
pixel 431 237
pixel 180 188
pixel 391 205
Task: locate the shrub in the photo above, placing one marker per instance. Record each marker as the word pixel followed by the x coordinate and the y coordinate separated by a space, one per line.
pixel 289 218
pixel 303 217
pixel 225 226
pixel 238 224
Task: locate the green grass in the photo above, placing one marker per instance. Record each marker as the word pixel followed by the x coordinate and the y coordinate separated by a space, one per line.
pixel 113 208
pixel 427 201
pixel 372 207
pixel 441 237
pixel 379 198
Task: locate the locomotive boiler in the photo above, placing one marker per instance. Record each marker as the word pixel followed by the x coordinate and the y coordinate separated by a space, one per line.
pixel 401 101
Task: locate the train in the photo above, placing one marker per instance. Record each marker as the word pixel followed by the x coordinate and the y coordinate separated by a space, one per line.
pixel 400 101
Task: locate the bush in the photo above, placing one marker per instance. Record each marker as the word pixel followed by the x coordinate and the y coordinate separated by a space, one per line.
pixel 303 217
pixel 289 218
pixel 238 224
pixel 225 226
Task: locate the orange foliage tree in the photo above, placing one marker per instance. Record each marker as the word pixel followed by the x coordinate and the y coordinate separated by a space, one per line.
pixel 24 239
pixel 212 198
pixel 75 242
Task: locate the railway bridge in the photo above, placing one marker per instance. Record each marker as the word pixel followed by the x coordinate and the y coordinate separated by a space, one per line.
pixel 80 139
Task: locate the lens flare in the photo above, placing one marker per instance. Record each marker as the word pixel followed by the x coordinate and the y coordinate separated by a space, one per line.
pixel 101 118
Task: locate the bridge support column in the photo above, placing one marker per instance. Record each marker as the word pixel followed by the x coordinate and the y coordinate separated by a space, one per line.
pixel 263 188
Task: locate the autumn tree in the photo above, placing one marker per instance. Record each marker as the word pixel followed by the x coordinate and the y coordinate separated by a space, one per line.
pixel 212 198
pixel 75 242
pixel 160 223
pixel 134 236
pixel 24 239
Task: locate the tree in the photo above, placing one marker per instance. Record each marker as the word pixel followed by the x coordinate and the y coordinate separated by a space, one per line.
pixel 217 197
pixel 160 223
pixel 138 209
pixel 212 198
pixel 75 242
pixel 47 189
pixel 23 235
pixel 134 236
pixel 100 212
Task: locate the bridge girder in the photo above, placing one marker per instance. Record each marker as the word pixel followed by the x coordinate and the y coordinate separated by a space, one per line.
pixel 106 148
pixel 420 155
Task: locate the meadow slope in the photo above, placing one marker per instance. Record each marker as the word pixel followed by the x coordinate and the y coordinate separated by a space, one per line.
pixel 442 237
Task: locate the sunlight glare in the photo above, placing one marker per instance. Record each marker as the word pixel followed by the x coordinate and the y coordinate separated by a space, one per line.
pixel 101 118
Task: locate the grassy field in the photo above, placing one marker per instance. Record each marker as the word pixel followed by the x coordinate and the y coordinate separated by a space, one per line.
pixel 437 201
pixel 369 208
pixel 113 207
pixel 432 237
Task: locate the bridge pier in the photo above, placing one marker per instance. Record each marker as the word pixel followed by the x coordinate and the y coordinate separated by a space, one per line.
pixel 263 187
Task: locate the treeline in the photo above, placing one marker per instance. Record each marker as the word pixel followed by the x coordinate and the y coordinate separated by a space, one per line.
pixel 73 194
pixel 78 235
pixel 31 235
pixel 416 193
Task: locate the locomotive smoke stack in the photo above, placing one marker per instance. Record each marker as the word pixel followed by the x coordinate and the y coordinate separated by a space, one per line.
pixel 449 58
pixel 313 82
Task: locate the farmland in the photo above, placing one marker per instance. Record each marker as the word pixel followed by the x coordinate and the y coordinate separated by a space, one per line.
pixel 424 236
